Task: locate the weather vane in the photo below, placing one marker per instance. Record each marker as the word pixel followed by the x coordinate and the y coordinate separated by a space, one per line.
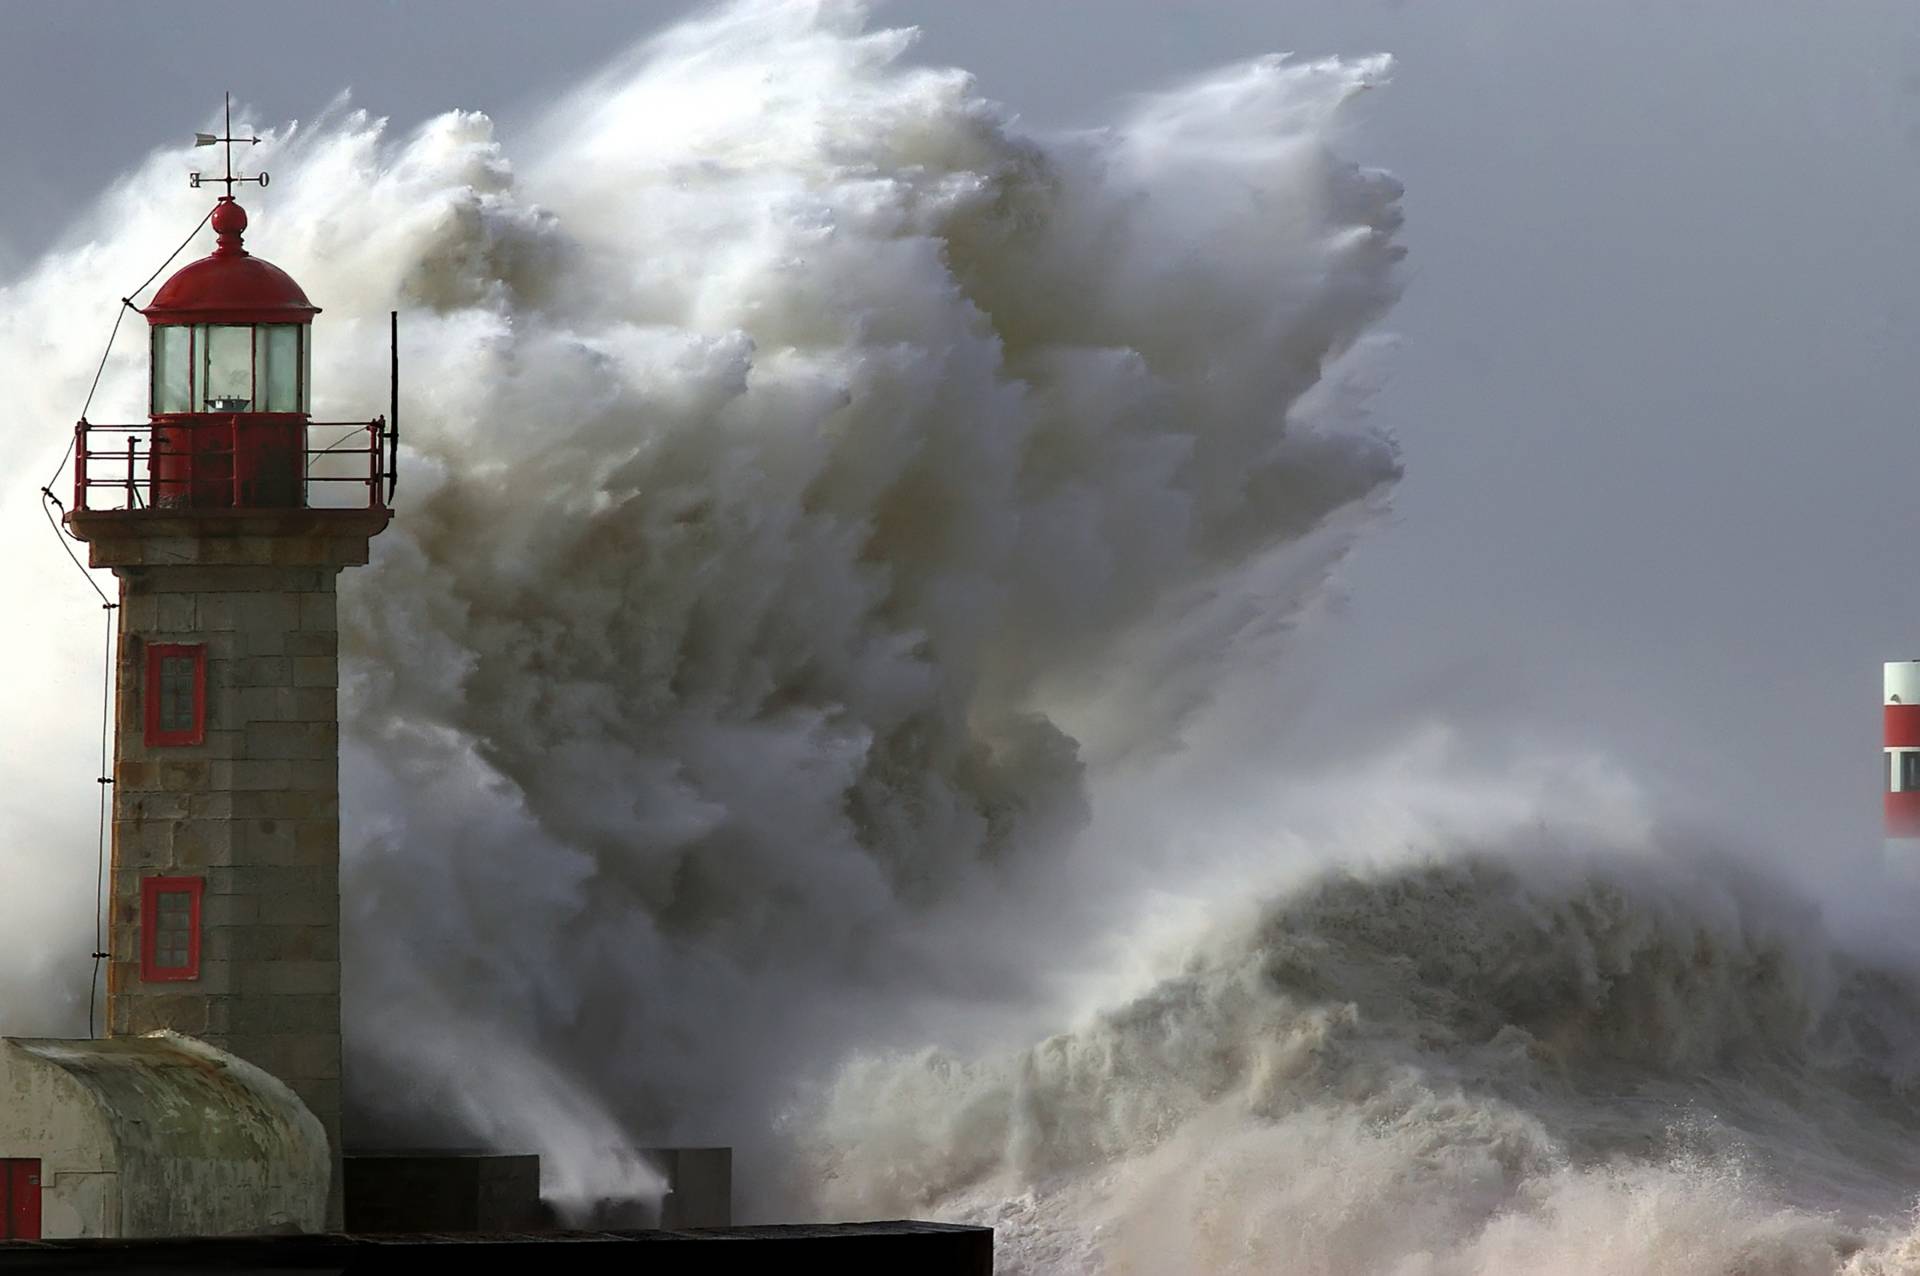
pixel 207 139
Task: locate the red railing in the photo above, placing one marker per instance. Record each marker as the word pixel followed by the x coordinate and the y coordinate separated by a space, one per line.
pixel 218 462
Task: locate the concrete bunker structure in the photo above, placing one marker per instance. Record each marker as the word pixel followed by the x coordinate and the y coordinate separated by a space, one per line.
pixel 159 1135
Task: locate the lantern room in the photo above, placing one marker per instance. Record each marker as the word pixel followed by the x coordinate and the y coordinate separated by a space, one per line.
pixel 229 397
pixel 230 331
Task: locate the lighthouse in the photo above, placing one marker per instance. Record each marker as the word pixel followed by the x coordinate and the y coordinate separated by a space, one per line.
pixel 1900 742
pixel 227 518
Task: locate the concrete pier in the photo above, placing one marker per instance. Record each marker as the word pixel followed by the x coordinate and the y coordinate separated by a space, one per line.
pixel 845 1249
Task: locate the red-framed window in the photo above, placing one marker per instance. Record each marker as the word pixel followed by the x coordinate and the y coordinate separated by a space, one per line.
pixel 170 928
pixel 176 694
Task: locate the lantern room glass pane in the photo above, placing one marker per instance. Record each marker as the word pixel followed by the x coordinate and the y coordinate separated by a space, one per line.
pixel 279 373
pixel 173 368
pixel 227 368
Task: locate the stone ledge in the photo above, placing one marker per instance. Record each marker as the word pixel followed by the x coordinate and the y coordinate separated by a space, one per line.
pixel 220 541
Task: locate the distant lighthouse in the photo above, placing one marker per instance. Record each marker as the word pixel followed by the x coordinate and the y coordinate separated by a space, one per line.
pixel 1900 740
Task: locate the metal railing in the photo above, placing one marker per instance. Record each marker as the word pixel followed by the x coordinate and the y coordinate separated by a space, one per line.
pixel 231 462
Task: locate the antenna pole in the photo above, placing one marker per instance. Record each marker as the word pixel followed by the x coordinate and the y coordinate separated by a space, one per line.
pixel 393 408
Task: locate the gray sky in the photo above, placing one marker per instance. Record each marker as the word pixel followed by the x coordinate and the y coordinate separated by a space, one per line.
pixel 1657 382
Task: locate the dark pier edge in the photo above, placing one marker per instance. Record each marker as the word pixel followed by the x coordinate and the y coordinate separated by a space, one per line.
pixel 834 1249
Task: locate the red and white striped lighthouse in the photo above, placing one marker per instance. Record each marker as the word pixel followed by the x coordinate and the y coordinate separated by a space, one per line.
pixel 1901 742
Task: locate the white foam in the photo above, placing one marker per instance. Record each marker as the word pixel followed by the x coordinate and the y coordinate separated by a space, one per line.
pixel 787 428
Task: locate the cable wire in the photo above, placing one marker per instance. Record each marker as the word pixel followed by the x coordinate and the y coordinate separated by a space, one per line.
pixel 126 304
pixel 48 503
pixel 100 847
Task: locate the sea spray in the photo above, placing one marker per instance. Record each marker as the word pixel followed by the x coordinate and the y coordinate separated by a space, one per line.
pixel 786 426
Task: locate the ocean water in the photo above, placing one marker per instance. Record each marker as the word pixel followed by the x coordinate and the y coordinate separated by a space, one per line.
pixel 1519 1059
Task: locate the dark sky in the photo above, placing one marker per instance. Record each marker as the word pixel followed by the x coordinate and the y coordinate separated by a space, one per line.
pixel 1657 382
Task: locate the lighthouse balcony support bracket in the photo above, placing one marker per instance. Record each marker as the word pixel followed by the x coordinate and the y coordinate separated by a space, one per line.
pixel 237 462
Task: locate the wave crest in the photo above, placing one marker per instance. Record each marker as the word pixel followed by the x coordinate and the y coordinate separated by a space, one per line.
pixel 1469 1059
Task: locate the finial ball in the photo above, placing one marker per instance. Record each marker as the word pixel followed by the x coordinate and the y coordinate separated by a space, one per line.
pixel 229 218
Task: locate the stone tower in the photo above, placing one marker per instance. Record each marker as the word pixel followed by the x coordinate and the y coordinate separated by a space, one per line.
pixel 227 518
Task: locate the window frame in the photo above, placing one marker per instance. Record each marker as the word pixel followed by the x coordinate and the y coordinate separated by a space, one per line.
pixel 264 365
pixel 151 889
pixel 203 338
pixel 163 336
pixel 198 355
pixel 157 655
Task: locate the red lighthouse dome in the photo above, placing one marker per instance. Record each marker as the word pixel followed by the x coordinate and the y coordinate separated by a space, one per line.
pixel 230 285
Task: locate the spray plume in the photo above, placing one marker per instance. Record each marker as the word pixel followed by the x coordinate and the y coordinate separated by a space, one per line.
pixel 828 508
pixel 786 426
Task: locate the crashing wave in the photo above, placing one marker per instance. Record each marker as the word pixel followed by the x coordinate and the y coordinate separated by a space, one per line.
pixel 780 439
pixel 1487 1063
